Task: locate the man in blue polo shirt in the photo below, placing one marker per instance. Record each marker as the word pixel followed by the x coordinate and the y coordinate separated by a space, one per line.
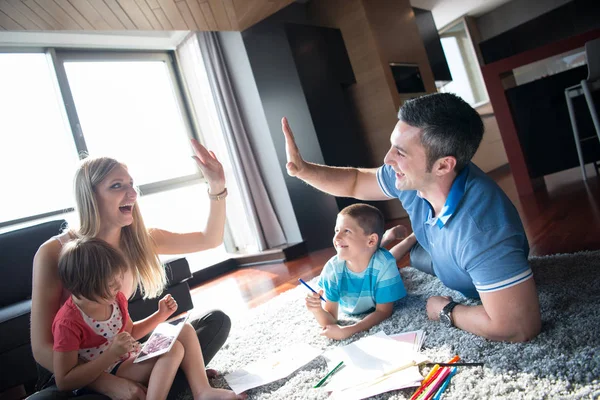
pixel 468 232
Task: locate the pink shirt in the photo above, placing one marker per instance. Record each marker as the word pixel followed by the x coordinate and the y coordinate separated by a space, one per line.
pixel 73 330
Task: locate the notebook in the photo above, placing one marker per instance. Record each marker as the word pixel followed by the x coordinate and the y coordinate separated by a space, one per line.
pixel 162 339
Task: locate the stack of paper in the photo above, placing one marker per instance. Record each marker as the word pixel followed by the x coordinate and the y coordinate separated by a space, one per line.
pixel 375 364
pixel 273 368
pixel 416 338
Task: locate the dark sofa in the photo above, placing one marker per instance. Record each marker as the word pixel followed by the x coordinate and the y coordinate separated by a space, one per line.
pixel 17 249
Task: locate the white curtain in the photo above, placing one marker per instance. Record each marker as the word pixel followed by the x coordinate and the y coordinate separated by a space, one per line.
pixel 204 71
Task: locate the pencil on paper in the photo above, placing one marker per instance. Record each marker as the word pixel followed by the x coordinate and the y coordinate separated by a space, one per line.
pixel 333 371
pixel 311 289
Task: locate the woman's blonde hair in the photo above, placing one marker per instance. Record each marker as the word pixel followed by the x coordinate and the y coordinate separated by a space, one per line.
pixel 136 244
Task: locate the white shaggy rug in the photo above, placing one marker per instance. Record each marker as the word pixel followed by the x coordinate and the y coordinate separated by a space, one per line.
pixel 563 362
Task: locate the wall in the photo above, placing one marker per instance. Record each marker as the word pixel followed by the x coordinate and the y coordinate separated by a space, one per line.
pixel 371 30
pixel 513 14
pixel 275 93
pixel 255 121
pixel 573 18
pixel 491 153
pixel 376 32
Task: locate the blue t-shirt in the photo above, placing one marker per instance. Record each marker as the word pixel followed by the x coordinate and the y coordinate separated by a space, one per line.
pixel 358 293
pixel 477 243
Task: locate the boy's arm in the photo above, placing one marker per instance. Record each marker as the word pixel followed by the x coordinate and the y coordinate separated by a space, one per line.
pixel 324 314
pixel 70 375
pixel 381 313
pixel 399 250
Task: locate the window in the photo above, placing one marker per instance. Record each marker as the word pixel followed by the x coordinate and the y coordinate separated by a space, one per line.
pixel 128 109
pixel 37 152
pixel 60 104
pixel 467 81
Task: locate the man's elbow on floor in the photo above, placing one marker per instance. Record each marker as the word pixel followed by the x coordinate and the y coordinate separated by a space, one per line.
pixel 530 331
pixel 515 334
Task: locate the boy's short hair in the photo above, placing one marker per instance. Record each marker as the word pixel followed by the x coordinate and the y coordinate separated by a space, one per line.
pixel 88 267
pixel 369 218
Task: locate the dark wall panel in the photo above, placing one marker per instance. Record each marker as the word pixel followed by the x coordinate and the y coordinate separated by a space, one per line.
pixel 433 45
pixel 325 71
pixel 281 94
pixel 539 109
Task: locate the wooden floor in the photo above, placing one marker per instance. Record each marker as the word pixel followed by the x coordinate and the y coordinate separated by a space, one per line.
pixel 562 218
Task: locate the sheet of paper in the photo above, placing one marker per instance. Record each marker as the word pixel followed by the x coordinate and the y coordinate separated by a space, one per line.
pixel 370 358
pixel 274 367
pixel 410 377
pixel 416 338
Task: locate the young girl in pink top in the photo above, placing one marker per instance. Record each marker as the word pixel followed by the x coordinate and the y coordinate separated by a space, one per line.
pixel 93 325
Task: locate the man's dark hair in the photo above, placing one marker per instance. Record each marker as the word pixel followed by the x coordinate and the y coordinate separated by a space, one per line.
pixel 88 267
pixel 450 127
pixel 369 218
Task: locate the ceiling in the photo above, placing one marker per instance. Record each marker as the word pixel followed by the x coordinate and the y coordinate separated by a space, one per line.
pixel 118 15
pixel 185 15
pixel 446 11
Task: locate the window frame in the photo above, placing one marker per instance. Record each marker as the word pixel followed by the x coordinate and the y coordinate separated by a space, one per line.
pixel 57 57
pixel 474 52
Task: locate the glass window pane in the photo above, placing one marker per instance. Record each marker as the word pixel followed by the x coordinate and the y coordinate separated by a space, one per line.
pixel 128 110
pixel 460 79
pixel 182 210
pixel 467 81
pixel 37 151
pixel 205 109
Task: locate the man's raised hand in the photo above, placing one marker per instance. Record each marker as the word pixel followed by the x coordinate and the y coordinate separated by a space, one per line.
pixel 398 232
pixel 295 163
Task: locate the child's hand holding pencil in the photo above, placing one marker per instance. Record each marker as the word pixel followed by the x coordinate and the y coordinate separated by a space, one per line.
pixel 313 299
pixel 319 294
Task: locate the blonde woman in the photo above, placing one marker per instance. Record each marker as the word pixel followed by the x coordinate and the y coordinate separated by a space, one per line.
pixel 106 202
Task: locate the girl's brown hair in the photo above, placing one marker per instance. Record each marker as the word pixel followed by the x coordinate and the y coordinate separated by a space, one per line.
pixel 89 268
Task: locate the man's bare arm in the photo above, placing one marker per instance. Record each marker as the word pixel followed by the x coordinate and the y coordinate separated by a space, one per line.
pixel 511 314
pixel 360 183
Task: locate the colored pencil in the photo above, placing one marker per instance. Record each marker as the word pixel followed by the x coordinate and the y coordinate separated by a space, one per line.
pixel 311 289
pixel 333 371
pixel 458 364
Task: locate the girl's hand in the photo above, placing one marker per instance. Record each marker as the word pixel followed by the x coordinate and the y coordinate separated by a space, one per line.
pixel 211 167
pixel 122 344
pixel 167 306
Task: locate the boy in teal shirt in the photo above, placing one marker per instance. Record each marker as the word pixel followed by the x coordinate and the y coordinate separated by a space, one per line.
pixel 361 278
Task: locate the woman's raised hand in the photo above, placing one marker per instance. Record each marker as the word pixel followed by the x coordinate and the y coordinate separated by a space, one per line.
pixel 211 167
